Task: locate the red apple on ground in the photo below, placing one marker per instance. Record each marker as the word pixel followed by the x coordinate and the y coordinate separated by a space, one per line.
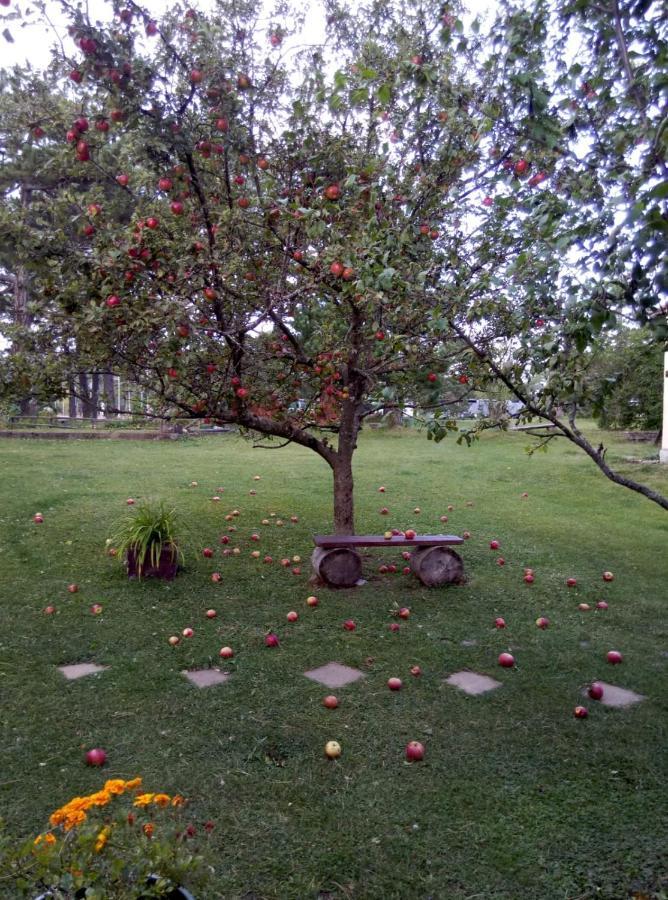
pixel 608 576
pixel 529 579
pixel 444 519
pixel 292 616
pixel 416 671
pixel 226 653
pixel 601 604
pixel 506 660
pixel 404 612
pixel 211 613
pixel 381 489
pixel 414 751
pixel 500 561
pixel 384 511
pixel 271 640
pixel 614 657
pixel 187 632
pixel 312 601
pixel 349 625
pixel 580 712
pixel 595 690
pixel 96 757
pixel 466 535
pixel 394 684
pixel 330 701
pixel 285 562
pixel 410 535
pixel 49 610
pixel 494 545
pixel 38 518
pixel 207 552
pixel 174 640
pixel 406 570
pixel 542 622
pixel 584 607
pixel 499 623
pixel 224 539
pixel 268 560
pixel 296 571
pixel 72 588
pixel 216 577
pixel 571 582
pixel 130 501
pixel 96 609
pixel 394 626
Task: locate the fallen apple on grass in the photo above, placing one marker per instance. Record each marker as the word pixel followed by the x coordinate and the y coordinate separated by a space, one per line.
pixel 595 690
pixel 614 657
pixel 226 653
pixel 72 588
pixel 394 684
pixel 414 751
pixel 542 622
pixel 506 660
pixel 292 616
pixel 584 607
pixel 187 632
pixel 330 701
pixel 580 712
pixel 410 535
pixel 395 626
pixel 49 610
pixel 500 561
pixel 96 609
pixel 601 604
pixel 96 757
pixel 349 625
pixel 174 640
pixel 529 579
pixel 211 613
pixel 333 749
pixel 312 601
pixel 571 582
pixel 38 518
pixel 216 577
pixel 608 576
pixel 271 640
pixel 404 612
pixel 499 622
pixel 494 545
pixel 207 553
pixel 416 671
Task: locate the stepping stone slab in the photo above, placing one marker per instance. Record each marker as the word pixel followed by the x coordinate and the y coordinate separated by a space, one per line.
pixel 79 670
pixel 334 675
pixel 472 682
pixel 617 696
pixel 202 678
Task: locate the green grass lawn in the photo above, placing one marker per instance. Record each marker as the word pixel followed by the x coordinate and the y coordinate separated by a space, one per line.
pixel 515 798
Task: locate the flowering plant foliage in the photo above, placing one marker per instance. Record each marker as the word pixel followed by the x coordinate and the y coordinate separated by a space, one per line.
pixel 118 842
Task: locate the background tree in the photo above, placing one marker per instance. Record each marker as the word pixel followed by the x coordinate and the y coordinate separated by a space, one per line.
pixel 400 214
pixel 627 374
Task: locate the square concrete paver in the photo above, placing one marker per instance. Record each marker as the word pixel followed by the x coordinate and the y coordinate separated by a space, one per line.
pixel 202 678
pixel 79 670
pixel 472 683
pixel 334 675
pixel 617 696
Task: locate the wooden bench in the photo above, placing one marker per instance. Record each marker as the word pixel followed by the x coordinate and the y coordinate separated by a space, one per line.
pixel 337 562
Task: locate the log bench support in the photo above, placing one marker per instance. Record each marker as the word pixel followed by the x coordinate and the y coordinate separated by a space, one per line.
pixel 336 560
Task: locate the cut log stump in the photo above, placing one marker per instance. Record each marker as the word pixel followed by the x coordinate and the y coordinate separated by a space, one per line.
pixel 436 566
pixel 339 566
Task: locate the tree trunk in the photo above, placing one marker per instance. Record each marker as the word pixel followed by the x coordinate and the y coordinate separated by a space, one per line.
pixel 71 400
pixel 344 513
pixel 95 395
pixel 84 396
pixel 109 391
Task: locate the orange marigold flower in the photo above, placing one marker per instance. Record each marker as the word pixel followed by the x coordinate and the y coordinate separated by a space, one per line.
pixel 57 817
pixel 74 818
pixel 148 829
pixel 100 798
pixel 177 800
pixel 143 799
pixel 115 786
pixel 161 799
pixel 47 838
pixel 132 784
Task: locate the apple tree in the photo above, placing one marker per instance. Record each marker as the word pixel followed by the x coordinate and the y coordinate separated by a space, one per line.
pixel 291 237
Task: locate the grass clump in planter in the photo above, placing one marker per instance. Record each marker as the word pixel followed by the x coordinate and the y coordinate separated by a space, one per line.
pixel 147 542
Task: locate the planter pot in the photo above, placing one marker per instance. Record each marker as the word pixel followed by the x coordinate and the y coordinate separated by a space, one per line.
pixel 166 569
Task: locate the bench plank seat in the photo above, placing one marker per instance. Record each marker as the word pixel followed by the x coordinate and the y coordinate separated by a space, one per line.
pixel 329 541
